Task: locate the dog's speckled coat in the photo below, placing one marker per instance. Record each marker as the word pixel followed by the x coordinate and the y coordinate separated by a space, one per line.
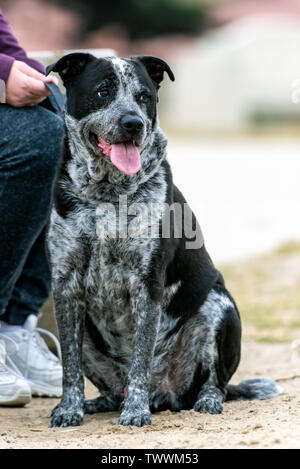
pixel 143 313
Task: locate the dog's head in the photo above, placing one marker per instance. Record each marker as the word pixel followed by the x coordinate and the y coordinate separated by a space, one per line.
pixel 114 102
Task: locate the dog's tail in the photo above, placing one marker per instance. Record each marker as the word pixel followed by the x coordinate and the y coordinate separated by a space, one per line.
pixel 252 389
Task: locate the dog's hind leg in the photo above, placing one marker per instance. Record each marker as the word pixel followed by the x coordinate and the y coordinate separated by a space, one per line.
pixel 209 400
pixel 108 403
pixel 210 356
pixel 220 352
pixel 223 353
pixel 194 362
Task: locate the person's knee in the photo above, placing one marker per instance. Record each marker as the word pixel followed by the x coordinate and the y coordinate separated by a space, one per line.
pixel 31 148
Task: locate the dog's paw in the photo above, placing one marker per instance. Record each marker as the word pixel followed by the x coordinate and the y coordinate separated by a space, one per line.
pixel 136 418
pixel 63 416
pixel 208 405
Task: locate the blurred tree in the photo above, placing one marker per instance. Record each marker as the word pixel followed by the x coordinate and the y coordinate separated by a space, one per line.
pixel 141 18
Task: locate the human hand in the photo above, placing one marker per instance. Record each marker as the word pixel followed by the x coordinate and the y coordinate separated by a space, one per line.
pixel 25 85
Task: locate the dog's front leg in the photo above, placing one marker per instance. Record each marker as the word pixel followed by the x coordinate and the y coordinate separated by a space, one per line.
pixel 136 410
pixel 70 314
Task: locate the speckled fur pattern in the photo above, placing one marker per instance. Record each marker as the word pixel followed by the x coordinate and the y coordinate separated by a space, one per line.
pixel 150 323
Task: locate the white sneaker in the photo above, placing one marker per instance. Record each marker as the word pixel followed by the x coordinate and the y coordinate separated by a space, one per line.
pixel 40 367
pixel 14 389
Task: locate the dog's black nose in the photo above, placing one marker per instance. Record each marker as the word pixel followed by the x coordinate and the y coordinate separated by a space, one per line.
pixel 132 124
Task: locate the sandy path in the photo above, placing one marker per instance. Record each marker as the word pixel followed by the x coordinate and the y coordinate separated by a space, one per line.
pixel 273 423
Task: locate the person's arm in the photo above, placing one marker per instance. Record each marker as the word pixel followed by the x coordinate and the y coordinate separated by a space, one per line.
pixel 10 50
pixel 21 78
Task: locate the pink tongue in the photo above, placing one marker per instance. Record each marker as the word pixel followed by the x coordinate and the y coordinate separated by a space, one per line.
pixel 126 157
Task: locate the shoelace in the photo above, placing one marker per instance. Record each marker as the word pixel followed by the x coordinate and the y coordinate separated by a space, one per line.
pixel 43 347
pixel 12 367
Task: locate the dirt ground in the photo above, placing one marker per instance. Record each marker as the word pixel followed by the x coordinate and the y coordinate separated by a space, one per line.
pixel 272 423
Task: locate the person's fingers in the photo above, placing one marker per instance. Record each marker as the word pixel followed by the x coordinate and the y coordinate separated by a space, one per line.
pixel 25 86
pixel 37 88
pixel 51 79
pixel 40 100
pixel 31 72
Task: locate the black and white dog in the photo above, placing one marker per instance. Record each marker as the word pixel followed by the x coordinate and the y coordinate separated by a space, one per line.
pixel 146 318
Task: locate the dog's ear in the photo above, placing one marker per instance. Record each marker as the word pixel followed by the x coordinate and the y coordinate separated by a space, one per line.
pixel 70 65
pixel 155 68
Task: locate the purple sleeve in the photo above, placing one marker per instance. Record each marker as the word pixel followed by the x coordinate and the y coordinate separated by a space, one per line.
pixel 10 50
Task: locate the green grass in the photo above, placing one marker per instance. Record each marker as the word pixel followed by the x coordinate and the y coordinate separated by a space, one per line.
pixel 289 247
pixel 267 291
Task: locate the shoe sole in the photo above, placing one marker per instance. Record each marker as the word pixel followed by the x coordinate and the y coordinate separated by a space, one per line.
pixel 38 390
pixel 19 399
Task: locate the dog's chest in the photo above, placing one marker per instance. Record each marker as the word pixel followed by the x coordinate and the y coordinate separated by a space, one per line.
pixel 121 252
pixel 115 277
pixel 117 271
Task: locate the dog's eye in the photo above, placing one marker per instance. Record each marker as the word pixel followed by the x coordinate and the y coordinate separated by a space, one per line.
pixel 103 93
pixel 144 98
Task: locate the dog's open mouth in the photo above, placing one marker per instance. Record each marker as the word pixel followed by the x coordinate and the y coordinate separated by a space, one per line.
pixel 124 155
